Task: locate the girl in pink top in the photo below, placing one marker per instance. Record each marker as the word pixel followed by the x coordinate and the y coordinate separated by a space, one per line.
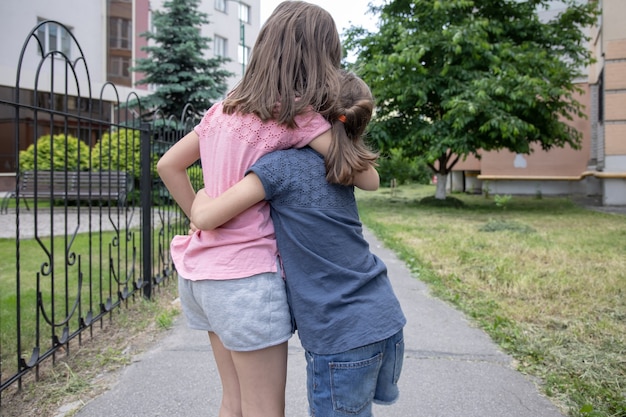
pixel 230 283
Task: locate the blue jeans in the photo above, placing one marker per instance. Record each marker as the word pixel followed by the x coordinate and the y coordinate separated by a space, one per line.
pixel 347 383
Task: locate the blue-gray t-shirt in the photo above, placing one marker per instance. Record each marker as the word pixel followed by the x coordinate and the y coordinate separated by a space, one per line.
pixel 339 292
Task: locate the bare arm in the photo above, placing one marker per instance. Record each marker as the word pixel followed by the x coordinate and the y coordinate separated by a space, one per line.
pixel 321 143
pixel 365 180
pixel 208 213
pixel 172 168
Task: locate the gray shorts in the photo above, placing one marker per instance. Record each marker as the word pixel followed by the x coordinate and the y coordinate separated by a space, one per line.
pixel 247 314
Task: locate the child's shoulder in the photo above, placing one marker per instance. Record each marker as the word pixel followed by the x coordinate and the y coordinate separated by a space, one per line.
pixel 215 109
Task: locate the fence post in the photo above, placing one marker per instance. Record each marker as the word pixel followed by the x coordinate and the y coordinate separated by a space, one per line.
pixel 145 182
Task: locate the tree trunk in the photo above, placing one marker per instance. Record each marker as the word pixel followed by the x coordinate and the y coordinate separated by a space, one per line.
pixel 440 194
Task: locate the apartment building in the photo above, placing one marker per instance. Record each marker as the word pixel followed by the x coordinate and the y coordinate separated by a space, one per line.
pixel 102 39
pixel 599 167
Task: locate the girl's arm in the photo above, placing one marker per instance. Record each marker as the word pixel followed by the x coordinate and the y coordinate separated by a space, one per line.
pixel 365 180
pixel 321 144
pixel 208 213
pixel 172 168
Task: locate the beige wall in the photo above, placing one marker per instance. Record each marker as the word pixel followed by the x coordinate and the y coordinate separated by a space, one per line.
pixel 615 79
pixel 615 96
pixel 614 44
pixel 613 18
pixel 558 162
pixel 615 104
pixel 471 163
pixel 616 139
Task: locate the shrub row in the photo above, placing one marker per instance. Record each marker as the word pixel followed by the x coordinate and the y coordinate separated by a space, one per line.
pixel 116 151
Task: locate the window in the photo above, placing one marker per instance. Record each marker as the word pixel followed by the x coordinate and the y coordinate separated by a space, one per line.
pixel 54 37
pixel 220 46
pixel 244 54
pixel 119 66
pixel 600 103
pixel 120 31
pixel 153 28
pixel 244 12
pixel 220 5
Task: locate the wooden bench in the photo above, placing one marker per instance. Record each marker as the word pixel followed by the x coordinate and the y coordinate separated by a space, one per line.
pixel 72 186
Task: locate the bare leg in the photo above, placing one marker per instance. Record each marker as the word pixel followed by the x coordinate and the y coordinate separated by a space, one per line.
pixel 231 395
pixel 262 378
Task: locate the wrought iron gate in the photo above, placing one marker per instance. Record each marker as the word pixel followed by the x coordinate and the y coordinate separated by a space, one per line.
pixel 88 221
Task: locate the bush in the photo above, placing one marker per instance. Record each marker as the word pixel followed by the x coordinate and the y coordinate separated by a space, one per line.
pixel 56 153
pixel 119 151
pixel 451 202
pixel 394 165
pixel 160 194
pixel 195 175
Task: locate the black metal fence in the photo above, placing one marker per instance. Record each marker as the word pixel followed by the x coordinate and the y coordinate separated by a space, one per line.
pixel 88 224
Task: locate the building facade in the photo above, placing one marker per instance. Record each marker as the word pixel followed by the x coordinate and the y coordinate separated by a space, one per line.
pixel 608 76
pixel 103 38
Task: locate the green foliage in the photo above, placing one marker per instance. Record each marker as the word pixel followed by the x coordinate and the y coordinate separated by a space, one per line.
pixel 110 358
pixel 505 225
pixel 450 202
pixel 486 189
pixel 161 195
pixel 455 77
pixel 118 150
pixel 195 175
pixel 394 165
pixel 176 62
pixel 165 319
pixel 502 200
pixel 56 153
pixel 71 382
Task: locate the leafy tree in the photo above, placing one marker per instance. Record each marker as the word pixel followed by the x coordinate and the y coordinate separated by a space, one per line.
pixel 176 64
pixel 393 165
pixel 454 77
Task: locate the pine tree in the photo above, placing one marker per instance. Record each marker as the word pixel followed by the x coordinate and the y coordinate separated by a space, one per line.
pixel 176 64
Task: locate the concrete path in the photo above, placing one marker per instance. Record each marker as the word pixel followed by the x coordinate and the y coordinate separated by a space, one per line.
pixel 451 369
pixel 71 220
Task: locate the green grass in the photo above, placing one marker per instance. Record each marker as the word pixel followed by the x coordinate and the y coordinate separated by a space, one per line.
pixel 98 285
pixel 544 277
pixel 107 346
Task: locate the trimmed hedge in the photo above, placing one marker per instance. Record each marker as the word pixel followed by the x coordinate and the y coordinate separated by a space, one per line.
pixel 56 153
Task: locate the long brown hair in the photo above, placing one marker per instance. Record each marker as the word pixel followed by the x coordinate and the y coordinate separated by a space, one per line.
pixel 293 66
pixel 348 154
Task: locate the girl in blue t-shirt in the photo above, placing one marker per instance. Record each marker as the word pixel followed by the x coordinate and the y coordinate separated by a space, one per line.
pixel 348 318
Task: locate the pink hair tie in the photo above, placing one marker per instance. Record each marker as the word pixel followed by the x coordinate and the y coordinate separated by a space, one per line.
pixel 342 118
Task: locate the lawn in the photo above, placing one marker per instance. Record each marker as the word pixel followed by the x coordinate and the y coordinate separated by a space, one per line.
pixel 543 276
pixel 98 279
pixel 71 283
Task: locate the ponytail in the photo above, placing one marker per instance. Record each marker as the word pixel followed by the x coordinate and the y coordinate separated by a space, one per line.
pixel 348 154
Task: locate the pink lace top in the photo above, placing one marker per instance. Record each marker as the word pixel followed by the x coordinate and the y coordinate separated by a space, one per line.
pixel 229 145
